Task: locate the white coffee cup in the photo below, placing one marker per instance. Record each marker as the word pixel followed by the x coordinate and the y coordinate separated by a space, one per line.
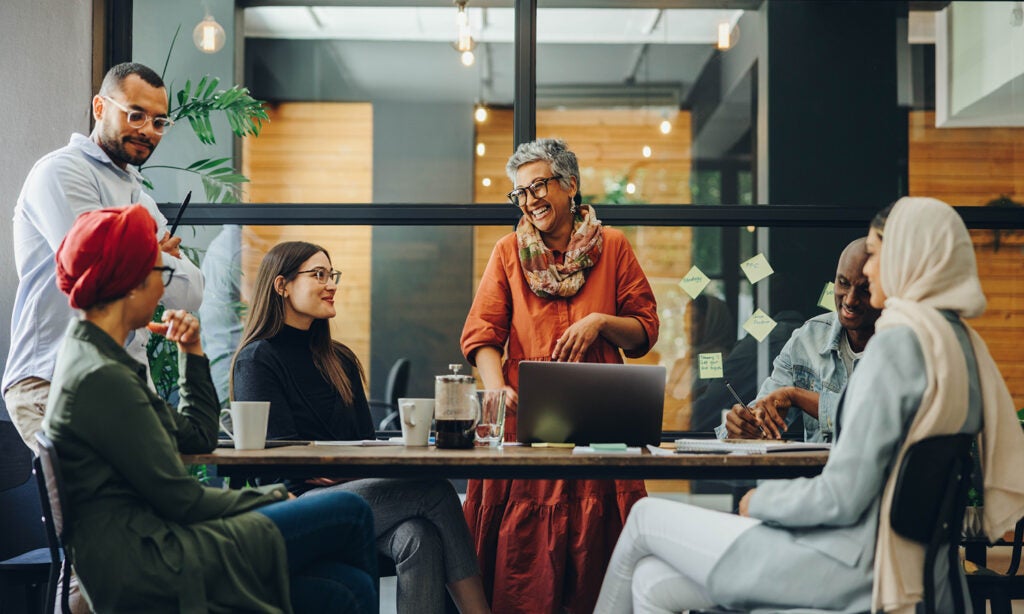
pixel 416 415
pixel 248 424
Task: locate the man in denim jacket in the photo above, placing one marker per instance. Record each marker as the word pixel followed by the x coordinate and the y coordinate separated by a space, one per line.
pixel 810 374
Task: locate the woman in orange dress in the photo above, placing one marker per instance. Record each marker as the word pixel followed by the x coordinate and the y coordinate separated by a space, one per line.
pixel 561 287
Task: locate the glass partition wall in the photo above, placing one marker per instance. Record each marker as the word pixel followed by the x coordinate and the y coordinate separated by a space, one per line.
pixel 388 149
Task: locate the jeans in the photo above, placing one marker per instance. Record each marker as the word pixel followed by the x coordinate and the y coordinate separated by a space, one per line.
pixel 332 556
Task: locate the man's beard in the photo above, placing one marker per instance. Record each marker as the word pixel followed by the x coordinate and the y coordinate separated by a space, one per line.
pixel 118 152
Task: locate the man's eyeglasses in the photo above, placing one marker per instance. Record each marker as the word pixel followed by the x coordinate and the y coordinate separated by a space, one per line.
pixel 166 273
pixel 138 119
pixel 322 275
pixel 538 188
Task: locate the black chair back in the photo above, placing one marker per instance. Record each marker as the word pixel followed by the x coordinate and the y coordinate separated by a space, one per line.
pixel 51 493
pixel 928 505
pixel 385 412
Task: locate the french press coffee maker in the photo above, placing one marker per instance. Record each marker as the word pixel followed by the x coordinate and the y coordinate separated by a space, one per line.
pixel 456 409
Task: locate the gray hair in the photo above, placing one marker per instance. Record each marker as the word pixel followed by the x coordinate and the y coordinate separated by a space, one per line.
pixel 553 151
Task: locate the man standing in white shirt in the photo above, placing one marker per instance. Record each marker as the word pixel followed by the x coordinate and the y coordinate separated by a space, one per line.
pixel 89 173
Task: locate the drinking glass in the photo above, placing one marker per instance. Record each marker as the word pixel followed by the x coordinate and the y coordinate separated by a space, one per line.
pixel 491 430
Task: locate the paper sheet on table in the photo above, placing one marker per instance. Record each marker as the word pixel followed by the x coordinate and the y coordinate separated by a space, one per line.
pixel 656 451
pixel 631 450
pixel 360 442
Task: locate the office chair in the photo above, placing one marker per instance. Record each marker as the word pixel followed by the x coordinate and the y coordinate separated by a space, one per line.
pixel 24 559
pixel 998 588
pixel 385 412
pixel 928 506
pixel 51 494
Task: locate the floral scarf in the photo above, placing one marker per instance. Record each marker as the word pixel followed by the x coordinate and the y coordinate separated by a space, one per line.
pixel 545 276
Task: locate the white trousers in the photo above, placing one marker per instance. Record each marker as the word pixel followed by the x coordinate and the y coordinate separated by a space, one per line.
pixel 664 556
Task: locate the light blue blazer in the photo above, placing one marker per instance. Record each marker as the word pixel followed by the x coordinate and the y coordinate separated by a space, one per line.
pixel 816 547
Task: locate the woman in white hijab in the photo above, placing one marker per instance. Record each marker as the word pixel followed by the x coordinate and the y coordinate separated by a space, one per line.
pixel 817 542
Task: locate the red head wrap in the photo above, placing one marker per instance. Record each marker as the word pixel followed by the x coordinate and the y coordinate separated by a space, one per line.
pixel 105 254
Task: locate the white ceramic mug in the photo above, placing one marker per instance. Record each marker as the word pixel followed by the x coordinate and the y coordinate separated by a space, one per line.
pixel 416 415
pixel 248 424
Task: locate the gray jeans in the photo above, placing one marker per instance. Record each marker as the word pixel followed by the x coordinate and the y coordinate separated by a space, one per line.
pixel 420 526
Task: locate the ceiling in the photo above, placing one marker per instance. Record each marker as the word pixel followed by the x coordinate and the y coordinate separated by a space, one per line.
pixel 585 57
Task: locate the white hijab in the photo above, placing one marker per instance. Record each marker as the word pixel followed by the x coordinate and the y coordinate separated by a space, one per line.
pixel 928 264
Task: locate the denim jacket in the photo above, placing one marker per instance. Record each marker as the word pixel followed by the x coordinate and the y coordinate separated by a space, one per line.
pixel 810 360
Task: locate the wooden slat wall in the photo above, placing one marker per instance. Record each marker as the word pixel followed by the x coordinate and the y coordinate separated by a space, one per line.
pixel 972 166
pixel 317 153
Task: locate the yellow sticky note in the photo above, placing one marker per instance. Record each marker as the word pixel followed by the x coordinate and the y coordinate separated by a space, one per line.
pixel 694 282
pixel 759 324
pixel 710 365
pixel 827 300
pixel 757 268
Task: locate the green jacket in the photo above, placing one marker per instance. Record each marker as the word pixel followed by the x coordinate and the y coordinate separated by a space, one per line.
pixel 145 535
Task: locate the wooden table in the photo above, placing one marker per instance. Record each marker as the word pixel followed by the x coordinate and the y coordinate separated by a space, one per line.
pixel 508 462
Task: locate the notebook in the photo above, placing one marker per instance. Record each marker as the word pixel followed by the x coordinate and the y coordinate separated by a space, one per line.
pixel 585 403
pixel 745 446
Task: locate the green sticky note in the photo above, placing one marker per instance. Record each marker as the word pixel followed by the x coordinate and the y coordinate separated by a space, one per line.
pixel 694 282
pixel 759 324
pixel 757 268
pixel 710 365
pixel 827 300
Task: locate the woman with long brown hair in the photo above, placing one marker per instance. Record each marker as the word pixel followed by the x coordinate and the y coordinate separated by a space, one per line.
pixel 315 388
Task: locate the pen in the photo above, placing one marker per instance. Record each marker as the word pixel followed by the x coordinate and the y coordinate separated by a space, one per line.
pixel 729 387
pixel 181 210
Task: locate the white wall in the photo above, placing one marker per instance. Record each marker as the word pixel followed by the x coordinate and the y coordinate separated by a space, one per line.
pixel 979 64
pixel 45 89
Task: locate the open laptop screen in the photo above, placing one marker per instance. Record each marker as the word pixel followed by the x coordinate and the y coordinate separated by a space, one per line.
pixel 584 403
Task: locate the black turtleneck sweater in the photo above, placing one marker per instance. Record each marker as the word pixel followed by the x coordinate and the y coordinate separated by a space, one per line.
pixel 303 404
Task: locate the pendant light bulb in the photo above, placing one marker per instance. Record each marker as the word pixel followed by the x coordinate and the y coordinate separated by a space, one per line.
pixel 665 127
pixel 208 35
pixel 646 151
pixel 480 114
pixel 724 35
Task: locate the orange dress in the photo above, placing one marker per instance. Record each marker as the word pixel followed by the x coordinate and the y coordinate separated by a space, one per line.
pixel 543 545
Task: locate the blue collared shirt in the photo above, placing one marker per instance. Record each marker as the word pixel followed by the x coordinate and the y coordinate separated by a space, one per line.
pixel 61 186
pixel 811 360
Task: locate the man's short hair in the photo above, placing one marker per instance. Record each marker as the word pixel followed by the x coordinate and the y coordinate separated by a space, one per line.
pixel 117 74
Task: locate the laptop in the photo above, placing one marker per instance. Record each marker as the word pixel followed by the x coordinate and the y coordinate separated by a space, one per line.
pixel 584 403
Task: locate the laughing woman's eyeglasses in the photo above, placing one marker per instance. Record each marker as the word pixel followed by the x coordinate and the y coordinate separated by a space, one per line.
pixel 166 274
pixel 538 188
pixel 322 275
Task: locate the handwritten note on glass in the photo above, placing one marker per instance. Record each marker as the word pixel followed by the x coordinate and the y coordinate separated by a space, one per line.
pixel 757 268
pixel 759 325
pixel 827 300
pixel 710 365
pixel 694 282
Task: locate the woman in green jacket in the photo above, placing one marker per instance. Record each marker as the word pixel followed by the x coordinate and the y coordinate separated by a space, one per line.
pixel 144 535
